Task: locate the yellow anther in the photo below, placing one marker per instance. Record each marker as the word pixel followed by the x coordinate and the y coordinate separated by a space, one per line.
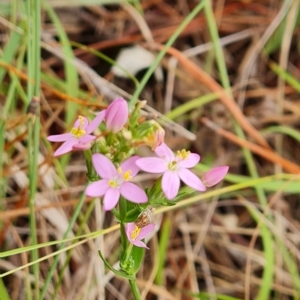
pixel 81 121
pixel 183 154
pixel 112 183
pixel 119 170
pixel 127 175
pixel 78 132
pixel 135 232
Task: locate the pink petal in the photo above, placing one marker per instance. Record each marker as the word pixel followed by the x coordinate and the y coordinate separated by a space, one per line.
pixel 139 244
pixel 77 124
pixel 129 164
pixel 152 164
pixel 164 151
pixel 215 175
pixel 103 166
pixel 129 227
pixel 116 115
pixel 190 161
pixel 97 188
pixel 133 193
pixel 66 147
pixel 60 137
pixel 170 184
pixel 111 198
pixel 145 231
pixel 190 179
pixel 87 138
pixel 82 147
pixel 96 122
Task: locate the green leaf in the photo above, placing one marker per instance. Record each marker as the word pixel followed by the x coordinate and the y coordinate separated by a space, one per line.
pixel 117 272
pixel 137 255
pixel 132 215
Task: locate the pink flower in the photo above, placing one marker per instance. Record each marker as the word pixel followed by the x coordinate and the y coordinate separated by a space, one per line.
pixel 173 168
pixel 136 234
pixel 115 182
pixel 214 176
pixel 116 115
pixel 80 137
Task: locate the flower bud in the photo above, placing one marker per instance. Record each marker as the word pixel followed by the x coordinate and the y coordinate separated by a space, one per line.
pixel 214 176
pixel 155 138
pixel 116 115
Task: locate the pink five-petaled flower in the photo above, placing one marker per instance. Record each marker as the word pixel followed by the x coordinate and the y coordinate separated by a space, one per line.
pixel 115 182
pixel 173 168
pixel 116 115
pixel 136 234
pixel 214 176
pixel 80 137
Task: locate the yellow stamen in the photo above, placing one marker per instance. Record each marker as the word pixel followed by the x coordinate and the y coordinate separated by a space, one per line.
pixel 127 175
pixel 119 170
pixel 81 121
pixel 183 154
pixel 112 183
pixel 135 232
pixel 79 132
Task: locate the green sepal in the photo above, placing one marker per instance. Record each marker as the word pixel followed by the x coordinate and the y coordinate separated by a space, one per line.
pixel 117 272
pixel 131 259
pixel 100 147
pixel 134 116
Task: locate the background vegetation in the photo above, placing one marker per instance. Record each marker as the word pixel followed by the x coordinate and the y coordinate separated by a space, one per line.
pixel 226 86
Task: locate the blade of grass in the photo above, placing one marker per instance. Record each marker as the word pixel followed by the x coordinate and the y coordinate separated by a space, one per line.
pixel 83 222
pixel 3 292
pixel 284 130
pixel 10 50
pixel 67 3
pixel 290 262
pixel 72 81
pixel 269 254
pixel 162 250
pixel 33 11
pixel 267 277
pixel 291 80
pixel 61 246
pixel 192 104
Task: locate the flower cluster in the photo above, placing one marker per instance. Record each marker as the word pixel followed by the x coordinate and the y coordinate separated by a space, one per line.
pixel 115 175
pixel 80 137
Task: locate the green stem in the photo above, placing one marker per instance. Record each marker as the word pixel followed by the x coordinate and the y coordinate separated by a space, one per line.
pixel 125 260
pixel 135 290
